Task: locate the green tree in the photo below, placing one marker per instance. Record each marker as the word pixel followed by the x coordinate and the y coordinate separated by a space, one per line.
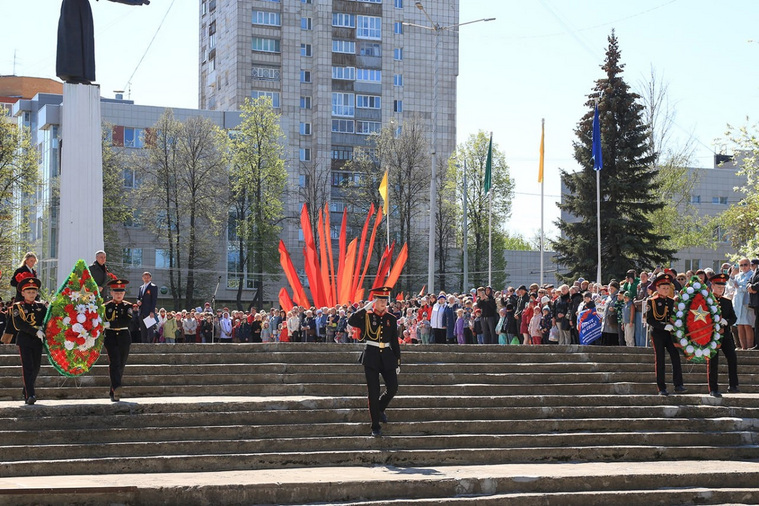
pixel 628 186
pixel 184 197
pixel 257 181
pixel 116 209
pixel 18 182
pixel 742 219
pixel 471 156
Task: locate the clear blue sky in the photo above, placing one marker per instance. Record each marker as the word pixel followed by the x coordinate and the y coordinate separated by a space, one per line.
pixel 538 60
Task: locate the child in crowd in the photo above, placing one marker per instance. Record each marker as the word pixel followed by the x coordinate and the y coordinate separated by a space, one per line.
pixel 503 324
pixel 628 320
pixel 545 324
pixel 266 333
pixel 536 334
pixel 458 329
pixel 477 326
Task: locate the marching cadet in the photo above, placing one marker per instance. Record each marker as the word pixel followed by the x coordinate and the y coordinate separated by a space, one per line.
pixel 729 318
pixel 658 316
pixel 27 319
pixel 118 315
pixel 379 330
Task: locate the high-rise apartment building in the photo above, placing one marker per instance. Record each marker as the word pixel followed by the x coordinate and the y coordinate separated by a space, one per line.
pixel 336 70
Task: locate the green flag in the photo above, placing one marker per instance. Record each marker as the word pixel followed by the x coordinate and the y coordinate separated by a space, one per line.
pixel 489 166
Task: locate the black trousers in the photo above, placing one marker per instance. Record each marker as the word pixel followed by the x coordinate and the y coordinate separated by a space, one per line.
pixel 117 345
pixel 31 359
pixel 712 365
pixel 378 402
pixel 664 342
pixel 488 329
pixel 440 336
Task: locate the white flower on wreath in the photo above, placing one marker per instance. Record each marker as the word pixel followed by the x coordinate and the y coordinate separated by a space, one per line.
pixel 696 285
pixel 69 345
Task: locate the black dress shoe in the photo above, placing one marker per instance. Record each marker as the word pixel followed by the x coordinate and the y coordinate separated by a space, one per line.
pixel 715 393
pixel 663 393
pixel 383 417
pixel 31 400
pixel 376 433
pixel 680 389
pixel 734 390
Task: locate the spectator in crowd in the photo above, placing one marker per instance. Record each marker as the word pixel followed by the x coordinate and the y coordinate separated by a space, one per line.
pixel 225 324
pixel 561 310
pixel 489 315
pixel 293 326
pixel 459 326
pixel 741 299
pixel 438 320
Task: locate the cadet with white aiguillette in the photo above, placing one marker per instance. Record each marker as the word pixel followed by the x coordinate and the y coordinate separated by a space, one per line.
pixel 379 330
pixel 718 282
pixel 118 314
pixel 27 318
pixel 659 317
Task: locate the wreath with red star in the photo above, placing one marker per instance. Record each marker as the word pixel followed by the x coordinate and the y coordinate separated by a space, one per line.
pixel 697 320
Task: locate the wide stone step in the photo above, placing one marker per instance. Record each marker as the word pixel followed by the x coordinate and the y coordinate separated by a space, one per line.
pixel 373 454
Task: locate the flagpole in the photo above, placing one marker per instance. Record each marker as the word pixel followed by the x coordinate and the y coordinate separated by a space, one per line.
pixel 490 237
pixel 387 220
pixel 598 224
pixel 464 234
pixel 542 184
pixel 597 156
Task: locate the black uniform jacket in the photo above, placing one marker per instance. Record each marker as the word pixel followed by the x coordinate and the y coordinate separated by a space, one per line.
pixel 118 314
pixel 659 313
pixel 26 320
pixel 379 329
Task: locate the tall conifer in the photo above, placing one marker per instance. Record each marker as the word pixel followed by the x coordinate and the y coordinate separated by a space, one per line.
pixel 628 187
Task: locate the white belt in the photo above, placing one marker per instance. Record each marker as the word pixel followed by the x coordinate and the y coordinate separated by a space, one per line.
pixel 379 345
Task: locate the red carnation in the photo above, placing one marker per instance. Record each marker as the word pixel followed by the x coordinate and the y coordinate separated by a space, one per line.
pixel 23 275
pixel 85 275
pixel 112 275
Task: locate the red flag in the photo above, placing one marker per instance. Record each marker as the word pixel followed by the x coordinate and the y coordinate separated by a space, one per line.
pixel 311 261
pixel 357 267
pixel 328 233
pixel 400 262
pixel 341 257
pixel 421 292
pixel 399 296
pixel 292 276
pixel 284 300
pixel 350 259
pixel 324 267
pixel 384 266
pixel 371 246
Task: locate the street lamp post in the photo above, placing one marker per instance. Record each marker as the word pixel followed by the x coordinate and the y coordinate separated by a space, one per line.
pixel 437 28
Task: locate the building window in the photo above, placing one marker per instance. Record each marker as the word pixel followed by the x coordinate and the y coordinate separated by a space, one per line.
pixel 130 177
pixel 305 154
pixel 368 127
pixel 134 220
pixel 369 75
pixel 695 199
pixel 305 23
pixel 398 27
pixel 305 128
pixel 343 20
pixel 271 95
pixel 267 18
pixel 370 49
pixel 344 178
pixel 368 27
pixel 342 152
pixel 134 137
pixel 342 104
pixel 343 46
pixel 305 102
pixel 266 73
pixel 720 235
pixel 719 200
pixel 398 53
pixel 398 80
pixel 162 260
pixel 265 45
pixel 343 126
pixel 305 50
pixel 305 76
pixel 399 4
pixel 344 73
pixel 131 257
pixel 303 180
pixel 212 35
pixel 370 1
pixel 692 264
pixel 368 102
pixel 397 105
pixel 305 1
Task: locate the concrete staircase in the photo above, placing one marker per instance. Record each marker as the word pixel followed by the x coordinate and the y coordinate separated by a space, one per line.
pixel 232 424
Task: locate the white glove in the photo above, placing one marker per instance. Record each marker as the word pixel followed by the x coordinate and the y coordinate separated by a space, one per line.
pixel 369 305
pixel 41 335
pixel 398 370
pixel 106 325
pixel 669 327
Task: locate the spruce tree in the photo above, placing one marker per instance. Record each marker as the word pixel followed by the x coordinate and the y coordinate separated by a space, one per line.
pixel 629 192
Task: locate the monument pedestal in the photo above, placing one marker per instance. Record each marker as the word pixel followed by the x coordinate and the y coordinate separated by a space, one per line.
pixel 80 230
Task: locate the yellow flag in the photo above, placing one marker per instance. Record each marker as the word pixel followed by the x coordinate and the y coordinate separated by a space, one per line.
pixel 383 192
pixel 542 150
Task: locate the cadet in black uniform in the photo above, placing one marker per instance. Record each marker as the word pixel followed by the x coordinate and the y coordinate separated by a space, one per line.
pixel 658 316
pixel 27 319
pixel 379 330
pixel 729 318
pixel 118 315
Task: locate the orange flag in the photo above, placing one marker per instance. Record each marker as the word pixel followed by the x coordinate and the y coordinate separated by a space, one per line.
pixel 284 300
pixel 341 255
pixel 292 276
pixel 350 259
pixel 328 232
pixel 324 267
pixel 357 267
pixel 400 262
pixel 371 247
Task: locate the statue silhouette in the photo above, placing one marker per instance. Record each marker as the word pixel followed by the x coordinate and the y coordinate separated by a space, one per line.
pixel 75 61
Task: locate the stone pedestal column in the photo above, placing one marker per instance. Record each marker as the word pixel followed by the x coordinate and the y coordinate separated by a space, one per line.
pixel 80 231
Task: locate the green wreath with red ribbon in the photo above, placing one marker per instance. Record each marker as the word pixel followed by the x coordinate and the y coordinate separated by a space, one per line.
pixel 74 323
pixel 697 320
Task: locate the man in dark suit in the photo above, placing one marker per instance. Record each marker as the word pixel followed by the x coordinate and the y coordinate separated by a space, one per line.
pixel 147 299
pixel 99 271
pixel 753 298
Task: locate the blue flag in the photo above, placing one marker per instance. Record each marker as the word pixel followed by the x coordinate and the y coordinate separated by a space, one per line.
pixel 589 325
pixel 596 154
